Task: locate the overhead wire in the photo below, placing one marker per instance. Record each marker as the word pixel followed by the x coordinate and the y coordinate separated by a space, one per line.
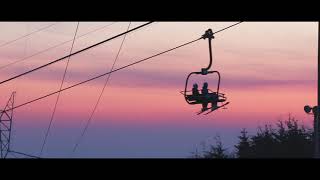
pixel 61 85
pixel 25 43
pixel 52 47
pixel 14 155
pixel 77 52
pixel 100 95
pixel 26 35
pixel 227 27
pixel 24 154
pixel 115 70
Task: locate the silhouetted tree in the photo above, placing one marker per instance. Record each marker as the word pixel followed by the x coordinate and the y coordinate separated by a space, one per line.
pixel 263 144
pixel 287 140
pixel 293 140
pixel 216 151
pixel 243 148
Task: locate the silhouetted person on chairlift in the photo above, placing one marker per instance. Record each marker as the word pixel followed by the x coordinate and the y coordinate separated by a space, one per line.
pixel 205 93
pixel 212 98
pixel 195 91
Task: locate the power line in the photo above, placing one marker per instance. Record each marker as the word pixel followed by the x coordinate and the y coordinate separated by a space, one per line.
pixel 52 47
pixel 24 154
pixel 228 27
pixel 77 52
pixel 13 154
pixel 96 77
pixel 26 35
pixel 26 42
pixel 101 93
pixel 62 81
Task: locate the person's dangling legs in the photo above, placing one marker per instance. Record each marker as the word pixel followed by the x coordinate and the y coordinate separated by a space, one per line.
pixel 214 105
pixel 204 106
pixel 214 101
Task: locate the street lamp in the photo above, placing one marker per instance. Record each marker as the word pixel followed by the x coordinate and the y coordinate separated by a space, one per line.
pixel 314 112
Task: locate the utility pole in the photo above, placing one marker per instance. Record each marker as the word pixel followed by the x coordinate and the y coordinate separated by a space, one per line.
pixel 6 116
pixel 315 110
pixel 316 119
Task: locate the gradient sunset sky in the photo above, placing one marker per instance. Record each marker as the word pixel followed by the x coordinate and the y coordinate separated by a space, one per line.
pixel 268 69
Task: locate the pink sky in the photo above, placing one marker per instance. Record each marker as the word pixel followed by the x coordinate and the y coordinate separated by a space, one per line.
pixel 269 69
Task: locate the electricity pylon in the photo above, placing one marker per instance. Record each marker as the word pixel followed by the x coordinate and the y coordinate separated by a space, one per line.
pixel 6 116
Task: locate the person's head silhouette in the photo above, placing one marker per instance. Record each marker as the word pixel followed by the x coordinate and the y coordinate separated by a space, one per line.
pixel 205 85
pixel 195 85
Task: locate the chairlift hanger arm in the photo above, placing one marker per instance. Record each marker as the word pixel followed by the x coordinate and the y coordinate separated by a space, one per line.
pixel 208 34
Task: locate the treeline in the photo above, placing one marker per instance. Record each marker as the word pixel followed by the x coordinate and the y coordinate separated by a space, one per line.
pixel 288 139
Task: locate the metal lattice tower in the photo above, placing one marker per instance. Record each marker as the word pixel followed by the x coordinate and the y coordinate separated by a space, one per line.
pixel 5 126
